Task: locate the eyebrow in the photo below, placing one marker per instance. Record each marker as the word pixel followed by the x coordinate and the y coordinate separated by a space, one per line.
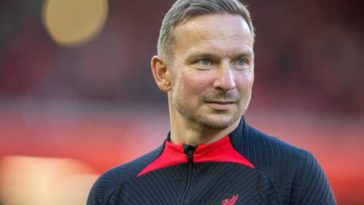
pixel 247 53
pixel 195 56
pixel 201 55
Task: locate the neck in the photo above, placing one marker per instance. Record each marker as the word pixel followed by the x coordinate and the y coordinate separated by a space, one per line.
pixel 184 132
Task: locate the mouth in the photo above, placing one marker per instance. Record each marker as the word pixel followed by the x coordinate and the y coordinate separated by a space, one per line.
pixel 221 105
pixel 221 102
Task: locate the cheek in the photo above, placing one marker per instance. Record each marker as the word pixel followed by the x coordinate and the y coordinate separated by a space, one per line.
pixel 246 81
pixel 192 82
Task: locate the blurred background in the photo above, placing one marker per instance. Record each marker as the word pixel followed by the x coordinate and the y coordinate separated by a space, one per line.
pixel 77 96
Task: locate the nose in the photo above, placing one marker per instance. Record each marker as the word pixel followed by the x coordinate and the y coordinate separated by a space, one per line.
pixel 225 79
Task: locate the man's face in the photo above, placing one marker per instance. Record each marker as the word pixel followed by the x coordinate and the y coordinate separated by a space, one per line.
pixel 212 71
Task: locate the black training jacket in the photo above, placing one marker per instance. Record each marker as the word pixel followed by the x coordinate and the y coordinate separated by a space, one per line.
pixel 246 167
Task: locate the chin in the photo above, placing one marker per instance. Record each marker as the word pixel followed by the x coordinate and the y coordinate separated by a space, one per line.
pixel 218 121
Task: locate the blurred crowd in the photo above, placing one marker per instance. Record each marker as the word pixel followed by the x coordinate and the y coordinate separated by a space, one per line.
pixel 308 52
pixel 309 57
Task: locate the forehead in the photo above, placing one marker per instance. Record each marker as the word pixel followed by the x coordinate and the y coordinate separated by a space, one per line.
pixel 216 26
pixel 213 29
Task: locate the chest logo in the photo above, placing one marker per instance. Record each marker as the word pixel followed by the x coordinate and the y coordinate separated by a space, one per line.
pixel 230 201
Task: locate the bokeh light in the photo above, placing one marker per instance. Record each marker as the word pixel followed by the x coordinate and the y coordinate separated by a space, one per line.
pixel 28 180
pixel 74 22
pixel 77 96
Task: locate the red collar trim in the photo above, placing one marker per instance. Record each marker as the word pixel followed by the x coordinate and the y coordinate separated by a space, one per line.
pixel 219 151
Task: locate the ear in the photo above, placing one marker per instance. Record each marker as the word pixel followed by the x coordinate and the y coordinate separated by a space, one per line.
pixel 161 73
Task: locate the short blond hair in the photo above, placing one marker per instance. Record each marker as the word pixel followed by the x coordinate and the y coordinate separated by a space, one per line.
pixel 184 10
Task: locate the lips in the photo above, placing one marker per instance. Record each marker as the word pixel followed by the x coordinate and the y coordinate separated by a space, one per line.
pixel 221 105
pixel 221 102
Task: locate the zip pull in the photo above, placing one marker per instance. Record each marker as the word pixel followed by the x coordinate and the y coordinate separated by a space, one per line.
pixel 189 150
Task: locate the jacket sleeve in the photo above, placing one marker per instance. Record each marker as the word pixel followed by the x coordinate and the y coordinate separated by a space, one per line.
pixel 93 198
pixel 102 191
pixel 312 184
pixel 97 194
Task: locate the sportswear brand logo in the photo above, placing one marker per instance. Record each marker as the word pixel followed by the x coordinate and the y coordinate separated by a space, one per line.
pixel 231 201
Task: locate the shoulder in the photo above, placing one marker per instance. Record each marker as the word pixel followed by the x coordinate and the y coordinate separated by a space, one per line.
pixel 288 167
pixel 111 181
pixel 266 151
pixel 273 154
pixel 275 148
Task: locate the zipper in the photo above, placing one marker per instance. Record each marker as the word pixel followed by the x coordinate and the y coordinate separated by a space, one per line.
pixel 188 150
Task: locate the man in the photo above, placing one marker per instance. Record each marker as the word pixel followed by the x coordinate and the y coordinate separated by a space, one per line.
pixel 205 64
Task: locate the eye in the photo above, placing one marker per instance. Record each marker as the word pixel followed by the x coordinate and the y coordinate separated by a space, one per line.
pixel 205 62
pixel 242 62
